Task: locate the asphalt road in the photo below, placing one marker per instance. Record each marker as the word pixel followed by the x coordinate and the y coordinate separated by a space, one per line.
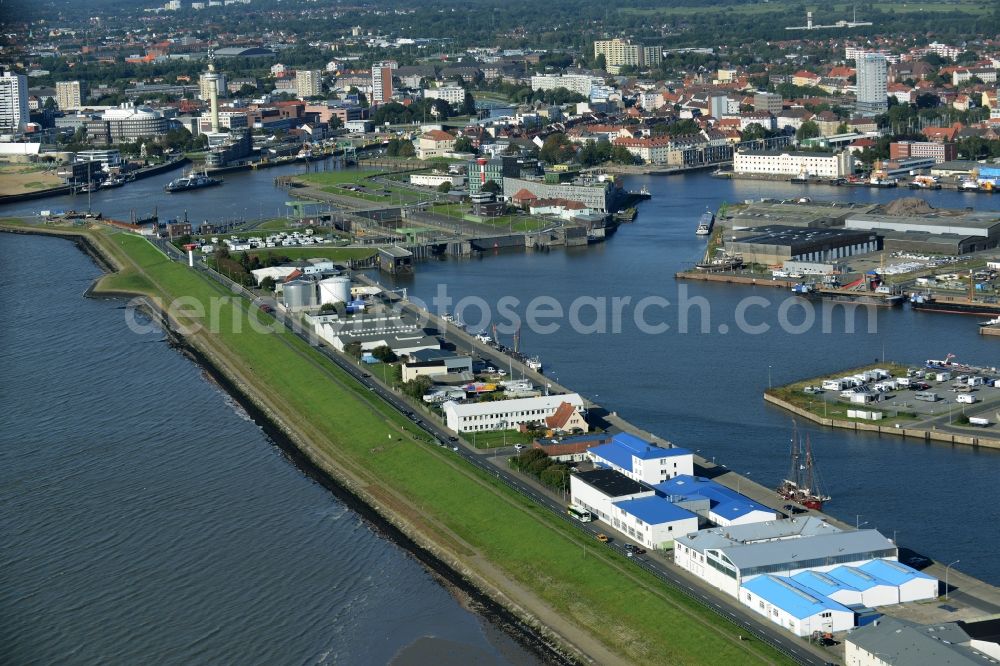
pixel 749 624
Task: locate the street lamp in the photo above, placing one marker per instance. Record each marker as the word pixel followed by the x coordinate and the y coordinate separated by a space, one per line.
pixel 857 519
pixel 946 578
pixel 768 376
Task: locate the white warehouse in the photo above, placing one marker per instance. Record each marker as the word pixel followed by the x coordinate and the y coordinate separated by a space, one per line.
pixel 505 414
pixel 794 607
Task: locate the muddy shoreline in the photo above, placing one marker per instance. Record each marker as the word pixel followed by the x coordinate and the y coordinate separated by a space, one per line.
pixel 464 590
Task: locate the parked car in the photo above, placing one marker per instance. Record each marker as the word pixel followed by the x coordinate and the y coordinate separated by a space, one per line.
pixel 519 447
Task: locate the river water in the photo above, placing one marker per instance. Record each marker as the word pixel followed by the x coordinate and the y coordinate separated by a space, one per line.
pixel 147 518
pixel 146 515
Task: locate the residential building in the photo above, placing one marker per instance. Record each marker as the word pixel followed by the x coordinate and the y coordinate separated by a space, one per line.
pixel 308 83
pixel 941 152
pixel 382 73
pixel 69 95
pixel 767 102
pixel 505 414
pixel 434 144
pixel 567 419
pixel 454 95
pixel 795 163
pixel 960 75
pixel 578 83
pixel 13 102
pixel 209 80
pixel 641 460
pixel 872 88
pixel 620 53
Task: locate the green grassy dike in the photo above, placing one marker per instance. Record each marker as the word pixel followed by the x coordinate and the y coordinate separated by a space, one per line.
pixel 502 538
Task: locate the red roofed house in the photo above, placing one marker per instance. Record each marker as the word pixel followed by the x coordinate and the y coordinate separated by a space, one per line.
pixel 942 134
pixel 804 78
pixel 566 418
pixel 523 198
pixel 434 144
pixel 570 449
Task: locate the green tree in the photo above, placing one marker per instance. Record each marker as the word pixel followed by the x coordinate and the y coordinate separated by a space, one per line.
pixel 463 144
pixel 353 349
pixel 417 388
pixel 621 155
pixel 384 353
pixel 444 187
pixel 490 186
pixel 557 148
pixel 267 284
pixel 808 130
pixel 753 132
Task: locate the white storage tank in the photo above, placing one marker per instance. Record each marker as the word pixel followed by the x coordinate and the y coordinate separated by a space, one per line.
pixel 299 294
pixel 335 290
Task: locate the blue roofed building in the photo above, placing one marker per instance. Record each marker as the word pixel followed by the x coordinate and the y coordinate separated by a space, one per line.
pixel 912 585
pixel 641 460
pixel 874 590
pixel 714 501
pixel 795 607
pixel 830 587
pixel 652 521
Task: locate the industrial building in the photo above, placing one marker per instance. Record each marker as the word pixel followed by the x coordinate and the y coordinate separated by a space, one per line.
pixel 505 414
pixel 435 362
pixel 436 179
pixel 943 231
pixel 728 557
pixel 797 213
pixel 642 461
pixel 776 244
pixel 794 163
pixel 597 490
pixel 892 641
pixel 940 152
pixel 713 501
pixel 794 607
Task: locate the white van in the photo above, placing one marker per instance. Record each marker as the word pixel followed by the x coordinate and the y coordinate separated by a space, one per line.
pixel 966 398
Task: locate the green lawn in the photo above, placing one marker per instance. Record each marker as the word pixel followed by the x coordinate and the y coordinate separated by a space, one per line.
pixel 630 611
pixel 494 438
pixel 338 177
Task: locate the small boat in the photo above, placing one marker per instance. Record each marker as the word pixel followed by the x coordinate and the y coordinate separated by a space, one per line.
pixel 722 263
pixel 706 223
pixel 192 181
pixel 991 322
pixel 113 181
pixel 801 485
pixel 535 364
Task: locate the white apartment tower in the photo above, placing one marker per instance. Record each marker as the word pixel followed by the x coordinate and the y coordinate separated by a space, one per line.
pixel 382 81
pixel 13 102
pixel 308 83
pixel 872 96
pixel 69 95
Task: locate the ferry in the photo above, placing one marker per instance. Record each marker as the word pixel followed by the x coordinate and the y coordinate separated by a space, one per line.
pixel 705 223
pixel 192 181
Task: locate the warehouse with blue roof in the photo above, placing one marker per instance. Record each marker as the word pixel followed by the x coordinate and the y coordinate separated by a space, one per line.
pixel 714 501
pixel 652 521
pixel 641 460
pixel 795 607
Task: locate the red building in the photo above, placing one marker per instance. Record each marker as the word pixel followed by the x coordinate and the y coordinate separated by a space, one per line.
pixel 941 152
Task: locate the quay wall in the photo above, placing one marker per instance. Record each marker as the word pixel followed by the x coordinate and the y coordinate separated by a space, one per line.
pixel 915 433
pixel 707 276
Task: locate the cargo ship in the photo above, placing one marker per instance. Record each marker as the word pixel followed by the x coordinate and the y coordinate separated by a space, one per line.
pixel 192 181
pixel 706 223
pixel 800 486
pixel 965 306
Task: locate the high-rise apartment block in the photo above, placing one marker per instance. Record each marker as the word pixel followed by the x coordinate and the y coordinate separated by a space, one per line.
pixel 872 95
pixel 308 83
pixel 619 53
pixel 382 81
pixel 69 95
pixel 13 102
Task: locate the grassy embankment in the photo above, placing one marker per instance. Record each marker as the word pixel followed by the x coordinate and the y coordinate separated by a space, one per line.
pixel 521 223
pixel 338 182
pixel 506 540
pixel 814 404
pixel 21 178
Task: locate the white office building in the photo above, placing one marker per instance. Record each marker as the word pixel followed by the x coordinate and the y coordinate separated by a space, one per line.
pixel 505 414
pixel 454 95
pixel 795 163
pixel 872 95
pixel 13 102
pixel 642 461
